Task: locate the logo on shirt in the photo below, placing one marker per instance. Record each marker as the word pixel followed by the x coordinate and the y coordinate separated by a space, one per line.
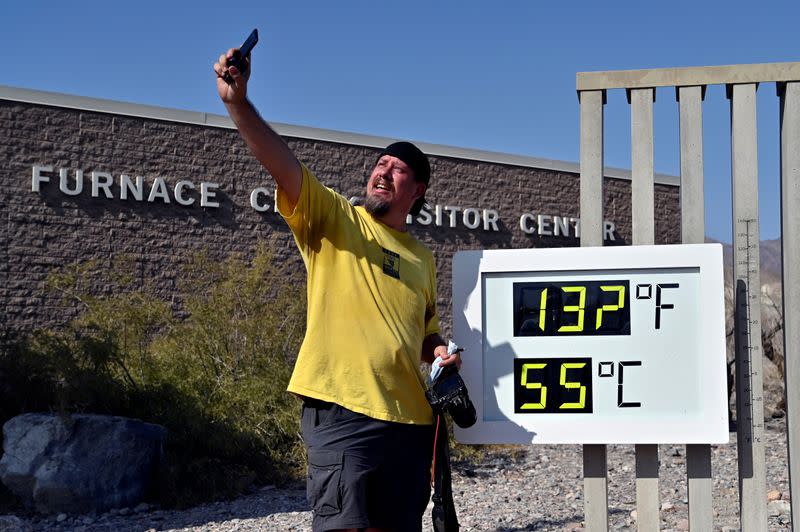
pixel 391 263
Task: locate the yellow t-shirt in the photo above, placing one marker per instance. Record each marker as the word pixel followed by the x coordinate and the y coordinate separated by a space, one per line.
pixel 371 302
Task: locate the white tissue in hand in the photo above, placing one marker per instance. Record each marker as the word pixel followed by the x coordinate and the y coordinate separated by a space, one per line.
pixel 451 347
pixel 436 367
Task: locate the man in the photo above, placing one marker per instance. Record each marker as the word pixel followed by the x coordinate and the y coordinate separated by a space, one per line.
pixel 371 319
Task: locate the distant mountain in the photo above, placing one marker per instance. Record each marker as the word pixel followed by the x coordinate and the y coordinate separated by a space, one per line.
pixel 769 253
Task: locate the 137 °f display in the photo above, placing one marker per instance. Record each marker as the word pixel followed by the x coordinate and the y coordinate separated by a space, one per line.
pixel 572 309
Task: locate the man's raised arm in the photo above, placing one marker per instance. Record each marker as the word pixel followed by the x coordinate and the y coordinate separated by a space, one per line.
pixel 268 147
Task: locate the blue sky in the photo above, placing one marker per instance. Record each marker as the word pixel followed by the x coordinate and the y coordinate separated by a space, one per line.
pixel 494 75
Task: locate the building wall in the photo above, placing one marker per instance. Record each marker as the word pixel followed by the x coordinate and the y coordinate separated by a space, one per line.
pixel 43 231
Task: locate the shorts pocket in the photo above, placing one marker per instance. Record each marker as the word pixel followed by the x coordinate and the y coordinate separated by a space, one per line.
pixel 323 485
pixel 317 414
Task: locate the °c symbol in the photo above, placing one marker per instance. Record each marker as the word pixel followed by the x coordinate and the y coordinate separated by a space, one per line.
pixel 605 369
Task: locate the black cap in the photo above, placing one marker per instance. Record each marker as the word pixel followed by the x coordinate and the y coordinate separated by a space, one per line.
pixel 417 161
pixel 413 157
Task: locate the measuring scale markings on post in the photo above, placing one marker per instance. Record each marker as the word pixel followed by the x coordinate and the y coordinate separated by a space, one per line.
pixel 747 299
pixel 593 345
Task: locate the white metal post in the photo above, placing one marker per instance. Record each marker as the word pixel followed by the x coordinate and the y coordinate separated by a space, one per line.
pixel 747 309
pixel 698 457
pixel 595 473
pixel 790 238
pixel 643 222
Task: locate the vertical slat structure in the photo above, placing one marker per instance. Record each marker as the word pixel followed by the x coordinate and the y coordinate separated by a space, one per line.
pixel 591 200
pixel 647 509
pixel 747 308
pixel 790 236
pixel 691 149
pixel 643 220
pixel 642 175
pixel 690 83
pixel 595 473
pixel 698 457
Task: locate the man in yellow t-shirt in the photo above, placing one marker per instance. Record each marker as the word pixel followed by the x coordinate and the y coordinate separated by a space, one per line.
pixel 371 320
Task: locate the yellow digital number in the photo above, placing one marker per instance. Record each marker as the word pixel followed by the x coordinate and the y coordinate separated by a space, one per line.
pixel 579 308
pixel 572 385
pixel 610 308
pixel 542 309
pixel 534 386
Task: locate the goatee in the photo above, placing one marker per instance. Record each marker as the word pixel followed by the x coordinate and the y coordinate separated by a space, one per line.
pixel 376 206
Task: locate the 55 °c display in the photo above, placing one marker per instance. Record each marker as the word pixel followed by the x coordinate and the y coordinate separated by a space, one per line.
pixel 583 308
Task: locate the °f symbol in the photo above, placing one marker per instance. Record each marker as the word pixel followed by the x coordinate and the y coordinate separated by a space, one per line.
pixel 645 291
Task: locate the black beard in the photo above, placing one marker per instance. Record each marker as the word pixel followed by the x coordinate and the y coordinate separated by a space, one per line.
pixel 376 206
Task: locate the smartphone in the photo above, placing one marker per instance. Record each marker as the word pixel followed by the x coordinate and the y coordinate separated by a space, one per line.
pixel 239 56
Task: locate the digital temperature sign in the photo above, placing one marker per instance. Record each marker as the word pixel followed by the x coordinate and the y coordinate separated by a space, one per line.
pixel 593 345
pixel 561 308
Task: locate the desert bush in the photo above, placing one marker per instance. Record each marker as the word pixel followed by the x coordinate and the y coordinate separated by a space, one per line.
pixel 215 378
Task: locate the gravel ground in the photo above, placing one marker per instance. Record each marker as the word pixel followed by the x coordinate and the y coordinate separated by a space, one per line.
pixel 511 489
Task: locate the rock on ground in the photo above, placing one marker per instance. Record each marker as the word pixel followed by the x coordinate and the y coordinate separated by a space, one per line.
pixel 81 462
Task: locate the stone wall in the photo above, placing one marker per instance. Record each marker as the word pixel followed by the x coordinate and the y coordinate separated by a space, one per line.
pixel 42 231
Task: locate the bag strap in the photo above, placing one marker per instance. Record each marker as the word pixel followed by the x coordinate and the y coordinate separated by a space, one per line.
pixel 444 510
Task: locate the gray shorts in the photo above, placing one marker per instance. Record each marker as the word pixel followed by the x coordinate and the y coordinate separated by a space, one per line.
pixel 364 472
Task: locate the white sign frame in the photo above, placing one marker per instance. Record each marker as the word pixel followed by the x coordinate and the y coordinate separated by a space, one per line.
pixel 471 268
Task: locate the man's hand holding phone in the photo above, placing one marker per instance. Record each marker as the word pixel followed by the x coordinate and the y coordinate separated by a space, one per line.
pixel 233 71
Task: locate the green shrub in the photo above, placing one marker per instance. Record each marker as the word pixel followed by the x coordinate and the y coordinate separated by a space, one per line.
pixel 216 379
